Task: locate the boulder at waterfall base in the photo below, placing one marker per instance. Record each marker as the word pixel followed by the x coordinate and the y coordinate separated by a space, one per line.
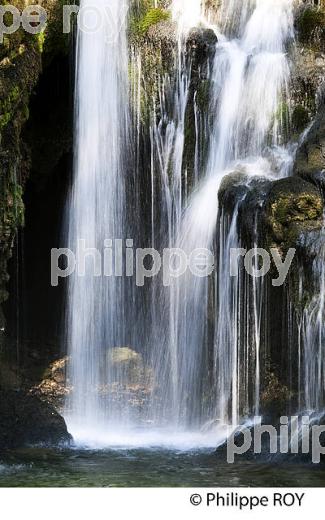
pixel 25 420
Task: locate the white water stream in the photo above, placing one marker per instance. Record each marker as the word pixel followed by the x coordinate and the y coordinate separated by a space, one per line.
pixel 249 88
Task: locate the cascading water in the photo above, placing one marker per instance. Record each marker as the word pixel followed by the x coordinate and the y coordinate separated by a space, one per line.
pixel 253 81
pixel 98 317
pixel 187 13
pixel 306 342
pixel 96 212
pixel 204 365
pixel 169 184
pixel 311 387
pixel 249 81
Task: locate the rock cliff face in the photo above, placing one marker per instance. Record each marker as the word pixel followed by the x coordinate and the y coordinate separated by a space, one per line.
pixel 308 91
pixel 23 58
pixel 26 136
pixel 308 57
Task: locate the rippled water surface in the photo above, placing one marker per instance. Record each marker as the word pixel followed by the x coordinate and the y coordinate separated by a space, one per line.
pixel 42 467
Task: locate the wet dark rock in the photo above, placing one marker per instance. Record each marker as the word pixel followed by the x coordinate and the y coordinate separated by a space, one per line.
pixel 163 32
pixel 53 388
pixel 310 25
pixel 200 47
pixel 201 44
pixel 251 223
pixel 293 206
pixel 232 190
pixel 275 397
pixel 316 178
pixel 310 159
pixel 308 60
pixel 299 119
pixel 23 57
pixel 312 243
pixel 306 85
pixel 249 193
pixel 25 420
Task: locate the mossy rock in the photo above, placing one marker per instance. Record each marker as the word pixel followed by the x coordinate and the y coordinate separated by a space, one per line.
pixel 233 187
pixel 122 355
pixel 310 157
pixel 275 396
pixel 247 193
pixel 126 365
pixel 299 119
pixel 53 41
pixel 293 206
pixel 22 58
pixel 310 25
pixel 25 420
pixel 152 17
pixel 145 14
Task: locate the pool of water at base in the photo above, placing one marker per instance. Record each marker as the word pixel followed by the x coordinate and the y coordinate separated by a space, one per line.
pixel 44 467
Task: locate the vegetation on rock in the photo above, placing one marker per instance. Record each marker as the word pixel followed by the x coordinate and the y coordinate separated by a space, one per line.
pixel 311 26
pixel 23 57
pixel 293 206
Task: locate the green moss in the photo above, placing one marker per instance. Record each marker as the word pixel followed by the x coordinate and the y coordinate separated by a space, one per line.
pixel 52 40
pixel 22 56
pixel 16 52
pixel 152 17
pixel 283 118
pixel 8 105
pixel 12 210
pixel 300 118
pixel 203 95
pixel 290 208
pixel 15 206
pixel 4 119
pixel 145 16
pixel 294 207
pixel 275 395
pixel 157 52
pixel 40 39
pixel 6 43
pixel 311 21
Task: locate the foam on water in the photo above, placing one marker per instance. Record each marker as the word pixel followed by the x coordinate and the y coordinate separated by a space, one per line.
pixel 113 437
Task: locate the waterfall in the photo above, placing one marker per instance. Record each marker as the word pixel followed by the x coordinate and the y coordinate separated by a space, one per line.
pixel 251 85
pixel 96 212
pixel 311 386
pixel 167 149
pixel 187 13
pixel 306 341
pixel 201 336
pixel 249 81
